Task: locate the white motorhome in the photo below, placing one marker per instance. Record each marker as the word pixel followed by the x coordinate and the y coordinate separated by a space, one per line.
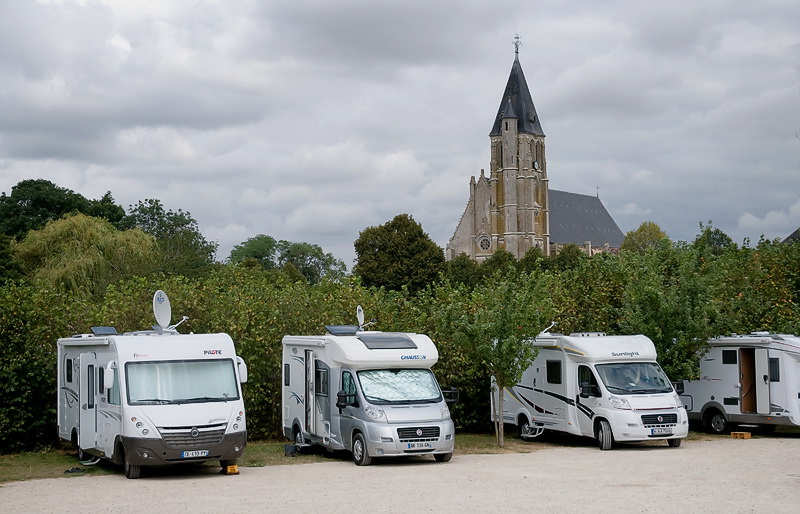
pixel 746 379
pixel 371 393
pixel 152 398
pixel 591 384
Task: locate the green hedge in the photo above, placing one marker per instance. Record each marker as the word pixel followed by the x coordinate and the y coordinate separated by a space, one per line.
pixel 678 295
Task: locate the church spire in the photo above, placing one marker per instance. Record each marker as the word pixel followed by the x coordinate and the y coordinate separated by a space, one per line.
pixel 518 95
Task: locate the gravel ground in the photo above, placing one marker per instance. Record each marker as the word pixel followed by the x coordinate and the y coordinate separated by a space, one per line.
pixel 722 475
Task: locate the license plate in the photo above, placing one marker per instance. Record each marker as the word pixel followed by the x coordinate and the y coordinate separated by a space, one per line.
pixel 412 446
pixel 194 453
pixel 661 431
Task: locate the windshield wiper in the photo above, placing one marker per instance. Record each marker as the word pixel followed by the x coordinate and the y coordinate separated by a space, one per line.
pixel 376 398
pixel 155 400
pixel 201 399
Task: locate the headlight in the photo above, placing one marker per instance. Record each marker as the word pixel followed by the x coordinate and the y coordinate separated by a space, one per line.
pixel 678 402
pixel 619 402
pixel 375 413
pixel 445 411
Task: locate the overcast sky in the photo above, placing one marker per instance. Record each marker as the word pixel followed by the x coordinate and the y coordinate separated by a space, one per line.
pixel 313 120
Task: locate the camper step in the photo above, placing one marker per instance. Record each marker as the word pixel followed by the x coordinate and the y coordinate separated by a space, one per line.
pixel 740 435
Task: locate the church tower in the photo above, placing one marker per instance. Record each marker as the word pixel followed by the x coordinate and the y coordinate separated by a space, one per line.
pixel 509 208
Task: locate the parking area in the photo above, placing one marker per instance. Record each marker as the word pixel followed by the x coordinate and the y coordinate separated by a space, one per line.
pixel 719 475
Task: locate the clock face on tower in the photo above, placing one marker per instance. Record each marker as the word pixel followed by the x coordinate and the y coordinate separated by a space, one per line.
pixel 536 165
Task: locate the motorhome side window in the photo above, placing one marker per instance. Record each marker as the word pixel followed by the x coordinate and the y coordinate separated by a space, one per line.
pixel 585 376
pixel 729 356
pixel 349 386
pixel 321 381
pixel 553 372
pixel 286 375
pixel 101 375
pixel 774 370
pixel 68 370
pixel 112 393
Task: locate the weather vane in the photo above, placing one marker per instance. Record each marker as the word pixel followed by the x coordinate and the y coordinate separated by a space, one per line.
pixel 517 43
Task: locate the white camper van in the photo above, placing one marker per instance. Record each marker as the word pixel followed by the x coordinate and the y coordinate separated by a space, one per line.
pixel 371 393
pixel 152 398
pixel 746 379
pixel 591 384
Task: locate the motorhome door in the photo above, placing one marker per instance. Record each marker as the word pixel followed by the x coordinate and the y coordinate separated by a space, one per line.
pixel 310 397
pixel 87 426
pixel 754 380
pixel 762 381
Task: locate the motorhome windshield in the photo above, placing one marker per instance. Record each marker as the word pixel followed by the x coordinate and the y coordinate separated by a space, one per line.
pixel 192 381
pixel 399 386
pixel 634 378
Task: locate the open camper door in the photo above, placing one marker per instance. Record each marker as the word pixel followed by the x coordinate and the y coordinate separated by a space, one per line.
pixel 762 381
pixel 88 408
pixel 310 396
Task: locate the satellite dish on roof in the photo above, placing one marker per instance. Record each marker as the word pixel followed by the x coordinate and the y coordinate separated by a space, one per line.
pixel 360 317
pixel 162 309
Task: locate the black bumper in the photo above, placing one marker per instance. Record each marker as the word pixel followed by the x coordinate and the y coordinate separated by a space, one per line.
pixel 153 452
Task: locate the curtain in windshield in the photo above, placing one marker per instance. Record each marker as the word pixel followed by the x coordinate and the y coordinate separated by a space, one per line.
pixel 399 385
pixel 634 377
pixel 181 381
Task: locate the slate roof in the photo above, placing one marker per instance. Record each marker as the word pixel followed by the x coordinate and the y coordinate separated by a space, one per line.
pixel 793 237
pixel 519 96
pixel 576 218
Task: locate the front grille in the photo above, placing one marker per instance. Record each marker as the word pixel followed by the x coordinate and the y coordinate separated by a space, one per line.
pixel 182 437
pixel 651 420
pixel 407 435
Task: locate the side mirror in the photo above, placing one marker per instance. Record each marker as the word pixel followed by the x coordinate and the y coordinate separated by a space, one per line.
pixel 344 400
pixel 242 369
pixel 678 386
pixel 108 376
pixel 450 395
pixel 588 390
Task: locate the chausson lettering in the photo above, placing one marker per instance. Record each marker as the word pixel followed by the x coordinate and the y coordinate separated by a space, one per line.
pixel 413 357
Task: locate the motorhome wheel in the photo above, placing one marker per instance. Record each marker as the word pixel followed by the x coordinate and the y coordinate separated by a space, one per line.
pixel 527 431
pixel 604 436
pixel 298 436
pixel 443 457
pixel 716 422
pixel 674 443
pixel 360 455
pixel 131 471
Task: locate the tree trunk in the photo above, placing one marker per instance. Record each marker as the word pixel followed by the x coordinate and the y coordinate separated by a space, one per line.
pixel 500 422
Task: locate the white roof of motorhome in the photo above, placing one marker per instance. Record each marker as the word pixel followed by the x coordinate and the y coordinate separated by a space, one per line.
pixel 369 349
pixel 144 346
pixel 786 342
pixel 596 346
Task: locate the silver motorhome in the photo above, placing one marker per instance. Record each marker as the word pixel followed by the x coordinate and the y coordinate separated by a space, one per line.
pixel 371 393
pixel 749 379
pixel 152 398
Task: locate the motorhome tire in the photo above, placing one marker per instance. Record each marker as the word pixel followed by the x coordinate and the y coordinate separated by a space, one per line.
pixel 131 471
pixel 443 457
pixel 360 455
pixel 716 422
pixel 604 436
pixel 225 463
pixel 523 428
pixel 674 443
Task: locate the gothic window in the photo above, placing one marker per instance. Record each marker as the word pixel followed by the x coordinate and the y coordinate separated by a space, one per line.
pixel 484 243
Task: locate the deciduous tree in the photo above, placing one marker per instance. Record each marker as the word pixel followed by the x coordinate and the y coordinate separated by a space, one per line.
pixel 396 254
